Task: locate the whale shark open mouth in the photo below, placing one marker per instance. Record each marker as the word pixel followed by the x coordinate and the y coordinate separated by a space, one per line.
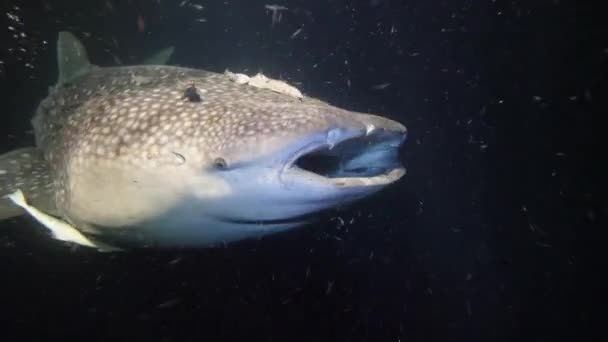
pixel 359 156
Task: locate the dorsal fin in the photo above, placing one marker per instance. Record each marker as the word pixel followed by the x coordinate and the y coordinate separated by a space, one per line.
pixel 161 57
pixel 72 57
pixel 73 60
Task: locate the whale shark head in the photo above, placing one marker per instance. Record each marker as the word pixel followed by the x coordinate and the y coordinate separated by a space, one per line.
pixel 300 159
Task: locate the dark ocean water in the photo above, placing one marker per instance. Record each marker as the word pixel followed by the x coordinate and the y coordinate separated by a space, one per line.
pixel 493 235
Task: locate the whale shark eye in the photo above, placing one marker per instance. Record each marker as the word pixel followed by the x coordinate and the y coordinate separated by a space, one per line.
pixel 220 163
pixel 179 158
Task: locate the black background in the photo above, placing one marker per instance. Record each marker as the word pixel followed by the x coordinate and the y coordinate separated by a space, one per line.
pixel 493 235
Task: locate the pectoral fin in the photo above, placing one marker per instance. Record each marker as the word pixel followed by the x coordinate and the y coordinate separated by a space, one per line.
pixel 25 169
pixel 60 229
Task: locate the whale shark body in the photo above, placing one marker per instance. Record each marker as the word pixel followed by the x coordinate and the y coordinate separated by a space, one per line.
pixel 154 155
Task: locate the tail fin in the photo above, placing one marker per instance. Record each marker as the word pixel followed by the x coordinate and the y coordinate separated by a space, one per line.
pixel 27 170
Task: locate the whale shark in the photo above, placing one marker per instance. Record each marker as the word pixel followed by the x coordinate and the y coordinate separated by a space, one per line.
pixel 161 156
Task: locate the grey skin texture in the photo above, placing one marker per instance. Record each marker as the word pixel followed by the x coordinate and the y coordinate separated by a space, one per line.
pixel 163 156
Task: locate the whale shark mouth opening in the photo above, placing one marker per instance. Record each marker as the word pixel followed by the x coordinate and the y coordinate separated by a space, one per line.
pixel 365 156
